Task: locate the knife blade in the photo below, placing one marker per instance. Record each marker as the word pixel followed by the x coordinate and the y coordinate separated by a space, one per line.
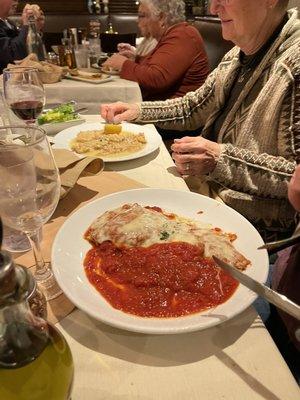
pixel 262 290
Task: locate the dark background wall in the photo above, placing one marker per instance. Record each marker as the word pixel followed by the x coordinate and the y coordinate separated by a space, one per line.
pixel 58 7
pixel 115 6
pixel 294 3
pixel 80 6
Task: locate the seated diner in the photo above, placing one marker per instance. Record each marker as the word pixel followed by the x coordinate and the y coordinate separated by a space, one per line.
pixel 177 65
pixel 13 40
pixel 247 110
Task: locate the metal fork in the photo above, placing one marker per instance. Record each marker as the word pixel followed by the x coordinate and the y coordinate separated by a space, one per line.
pixel 281 244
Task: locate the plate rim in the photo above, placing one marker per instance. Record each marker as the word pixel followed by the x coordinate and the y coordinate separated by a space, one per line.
pixel 132 156
pixel 62 122
pixel 154 330
pixel 95 81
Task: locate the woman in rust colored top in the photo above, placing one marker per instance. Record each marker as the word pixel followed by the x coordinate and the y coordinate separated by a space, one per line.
pixel 177 65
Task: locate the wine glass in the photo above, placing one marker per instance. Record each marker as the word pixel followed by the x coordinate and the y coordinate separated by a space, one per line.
pixel 13 241
pixel 24 92
pixel 29 191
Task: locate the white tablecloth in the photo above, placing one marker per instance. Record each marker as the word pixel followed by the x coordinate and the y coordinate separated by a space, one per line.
pixel 236 360
pixel 91 95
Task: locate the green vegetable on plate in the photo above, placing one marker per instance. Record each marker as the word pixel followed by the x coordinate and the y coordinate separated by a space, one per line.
pixel 62 113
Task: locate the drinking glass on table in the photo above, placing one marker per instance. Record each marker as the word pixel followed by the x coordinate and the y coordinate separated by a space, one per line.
pixel 81 56
pixel 13 241
pixel 29 192
pixel 24 92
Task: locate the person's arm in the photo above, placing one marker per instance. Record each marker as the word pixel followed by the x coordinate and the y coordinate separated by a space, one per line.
pixel 185 113
pixel 126 50
pixel 294 189
pixel 169 62
pixel 262 174
pixel 13 48
pixel 257 174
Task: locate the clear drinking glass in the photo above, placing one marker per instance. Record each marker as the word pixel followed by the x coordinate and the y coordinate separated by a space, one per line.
pixel 29 191
pixel 24 92
pixel 4 118
pixel 81 56
pixel 13 241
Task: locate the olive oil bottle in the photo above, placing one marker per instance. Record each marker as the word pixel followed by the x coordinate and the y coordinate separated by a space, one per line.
pixel 35 360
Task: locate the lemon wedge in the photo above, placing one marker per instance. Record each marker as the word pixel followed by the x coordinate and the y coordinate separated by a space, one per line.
pixel 112 128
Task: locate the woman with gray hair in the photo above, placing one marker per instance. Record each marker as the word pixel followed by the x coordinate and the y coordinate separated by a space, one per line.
pixel 248 110
pixel 177 65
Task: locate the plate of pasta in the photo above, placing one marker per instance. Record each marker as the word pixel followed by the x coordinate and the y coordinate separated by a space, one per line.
pixel 110 142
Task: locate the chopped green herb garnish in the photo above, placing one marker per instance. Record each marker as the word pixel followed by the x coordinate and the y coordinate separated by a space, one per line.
pixel 164 235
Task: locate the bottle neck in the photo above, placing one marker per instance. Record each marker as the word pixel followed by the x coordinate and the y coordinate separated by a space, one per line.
pixel 32 25
pixel 22 335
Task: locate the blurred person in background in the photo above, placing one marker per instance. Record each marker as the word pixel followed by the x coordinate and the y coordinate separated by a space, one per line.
pixel 248 110
pixel 147 44
pixel 178 63
pixel 141 50
pixel 12 39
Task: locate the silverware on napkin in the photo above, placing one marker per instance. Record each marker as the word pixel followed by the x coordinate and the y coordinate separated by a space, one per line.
pixel 262 290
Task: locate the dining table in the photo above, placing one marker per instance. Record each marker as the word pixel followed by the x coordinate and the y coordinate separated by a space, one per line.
pixel 91 95
pixel 234 360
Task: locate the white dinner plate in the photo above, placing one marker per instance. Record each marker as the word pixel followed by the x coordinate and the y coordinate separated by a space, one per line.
pixel 110 71
pixel 69 250
pixel 63 138
pixel 107 78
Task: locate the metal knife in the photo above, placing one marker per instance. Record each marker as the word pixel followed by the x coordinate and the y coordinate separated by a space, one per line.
pixel 262 290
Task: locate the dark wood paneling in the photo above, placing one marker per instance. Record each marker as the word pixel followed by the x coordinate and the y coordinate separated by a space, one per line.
pixel 122 6
pixel 59 6
pixel 80 6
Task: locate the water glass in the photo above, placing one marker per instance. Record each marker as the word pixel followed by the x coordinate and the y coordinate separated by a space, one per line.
pixel 4 111
pixel 81 56
pixel 15 241
pixel 29 191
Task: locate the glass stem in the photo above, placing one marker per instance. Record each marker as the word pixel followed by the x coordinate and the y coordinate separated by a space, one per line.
pixel 41 269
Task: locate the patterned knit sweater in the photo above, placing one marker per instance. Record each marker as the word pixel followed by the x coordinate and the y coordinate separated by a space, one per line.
pixel 260 140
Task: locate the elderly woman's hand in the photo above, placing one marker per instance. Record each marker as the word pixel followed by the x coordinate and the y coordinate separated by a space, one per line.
pixel 40 22
pixel 195 155
pixel 118 112
pixel 126 50
pixel 116 61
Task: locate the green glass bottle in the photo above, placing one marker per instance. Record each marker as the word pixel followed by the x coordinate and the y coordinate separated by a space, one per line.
pixel 35 360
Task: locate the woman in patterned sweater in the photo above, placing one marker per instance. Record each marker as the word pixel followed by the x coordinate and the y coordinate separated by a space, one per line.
pixel 249 111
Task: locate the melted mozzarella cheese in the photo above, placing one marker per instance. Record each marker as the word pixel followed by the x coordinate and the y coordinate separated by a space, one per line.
pixel 134 225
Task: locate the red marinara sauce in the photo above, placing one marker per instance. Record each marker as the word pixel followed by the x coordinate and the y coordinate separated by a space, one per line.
pixel 163 280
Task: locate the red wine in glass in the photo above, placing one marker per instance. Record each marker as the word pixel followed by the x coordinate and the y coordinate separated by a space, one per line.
pixel 27 110
pixel 24 92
